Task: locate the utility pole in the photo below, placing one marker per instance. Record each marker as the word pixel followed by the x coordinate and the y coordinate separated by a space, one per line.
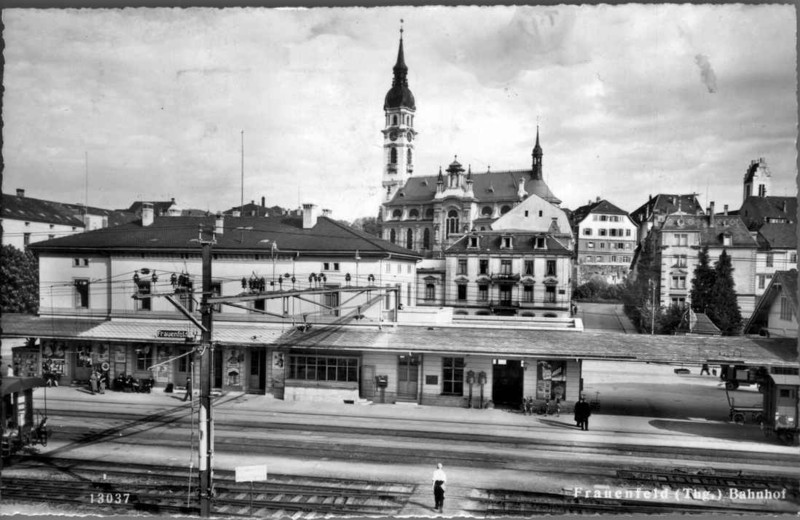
pixel 653 308
pixel 206 422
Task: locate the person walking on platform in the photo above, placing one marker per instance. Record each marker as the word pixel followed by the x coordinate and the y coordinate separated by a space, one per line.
pixel 188 388
pixel 93 382
pixel 582 413
pixel 439 480
pixel 704 368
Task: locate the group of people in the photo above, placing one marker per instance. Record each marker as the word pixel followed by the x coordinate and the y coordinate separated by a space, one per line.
pixel 98 382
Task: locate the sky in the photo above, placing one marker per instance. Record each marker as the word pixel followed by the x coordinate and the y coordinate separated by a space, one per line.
pixel 630 100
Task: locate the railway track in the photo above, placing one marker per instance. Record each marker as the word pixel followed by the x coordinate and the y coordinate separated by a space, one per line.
pixel 93 487
pixel 232 436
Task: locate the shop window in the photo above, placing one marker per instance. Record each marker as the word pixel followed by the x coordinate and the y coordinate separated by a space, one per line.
pixel 144 358
pixel 81 293
pixel 319 368
pixel 453 376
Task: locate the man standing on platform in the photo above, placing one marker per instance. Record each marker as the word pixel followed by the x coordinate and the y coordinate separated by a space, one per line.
pixel 582 413
pixel 439 479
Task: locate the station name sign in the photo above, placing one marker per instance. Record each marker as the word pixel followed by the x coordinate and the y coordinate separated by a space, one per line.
pixel 165 333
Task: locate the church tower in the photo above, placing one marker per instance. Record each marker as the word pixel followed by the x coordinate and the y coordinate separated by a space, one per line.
pixel 398 132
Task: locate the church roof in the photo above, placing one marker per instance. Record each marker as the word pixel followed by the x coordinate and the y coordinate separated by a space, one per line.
pixel 495 186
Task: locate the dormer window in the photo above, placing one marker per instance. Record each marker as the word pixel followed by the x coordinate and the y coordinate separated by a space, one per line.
pixel 726 239
pixel 506 243
pixel 413 214
pixel 538 243
pixel 396 214
pixel 473 242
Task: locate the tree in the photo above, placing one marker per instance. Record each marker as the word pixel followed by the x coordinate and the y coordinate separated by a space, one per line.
pixel 638 295
pixel 724 309
pixel 370 225
pixel 674 319
pixel 19 281
pixel 702 282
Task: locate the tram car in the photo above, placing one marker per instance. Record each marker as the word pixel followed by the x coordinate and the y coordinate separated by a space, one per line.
pixel 22 425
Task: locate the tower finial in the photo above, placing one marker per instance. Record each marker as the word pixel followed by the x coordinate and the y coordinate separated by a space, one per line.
pixel 401 28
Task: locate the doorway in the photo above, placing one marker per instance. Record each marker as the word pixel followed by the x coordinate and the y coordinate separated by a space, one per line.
pixel 407 377
pixel 507 378
pixel 258 368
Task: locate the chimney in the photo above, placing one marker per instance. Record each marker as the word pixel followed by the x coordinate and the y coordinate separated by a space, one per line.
pixel 147 214
pixel 711 214
pixel 725 208
pixel 263 202
pixel 20 192
pixel 783 206
pixel 309 216
pixel 326 213
pixel 219 224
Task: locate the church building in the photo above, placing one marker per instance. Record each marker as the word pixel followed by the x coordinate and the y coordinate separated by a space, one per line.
pixel 429 213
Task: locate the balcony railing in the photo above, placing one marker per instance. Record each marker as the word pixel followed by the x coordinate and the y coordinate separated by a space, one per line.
pixel 505 277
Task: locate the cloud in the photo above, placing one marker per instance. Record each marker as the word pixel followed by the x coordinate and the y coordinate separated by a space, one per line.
pixel 706 72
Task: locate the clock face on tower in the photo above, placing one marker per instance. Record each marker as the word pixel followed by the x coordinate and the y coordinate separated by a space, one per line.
pixel 410 136
pixel 393 136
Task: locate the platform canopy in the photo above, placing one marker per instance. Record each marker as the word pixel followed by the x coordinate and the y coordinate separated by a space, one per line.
pixel 13 385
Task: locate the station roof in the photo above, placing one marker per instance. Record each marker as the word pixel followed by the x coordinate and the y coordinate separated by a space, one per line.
pixel 497 342
pixel 12 385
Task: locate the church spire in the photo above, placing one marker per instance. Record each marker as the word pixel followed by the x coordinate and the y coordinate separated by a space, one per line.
pixel 400 95
pixel 400 68
pixel 537 157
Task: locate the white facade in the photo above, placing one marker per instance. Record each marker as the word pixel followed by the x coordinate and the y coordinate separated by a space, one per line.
pixel 20 233
pixel 606 243
pixel 111 285
pixel 768 262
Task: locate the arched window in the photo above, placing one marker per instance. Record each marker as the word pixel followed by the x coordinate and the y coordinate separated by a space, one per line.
pixel 426 239
pixel 393 156
pixel 486 211
pixel 396 214
pixel 414 213
pixel 408 157
pixel 429 213
pixel 394 120
pixel 409 239
pixel 452 222
pixel 505 209
pixel 392 237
